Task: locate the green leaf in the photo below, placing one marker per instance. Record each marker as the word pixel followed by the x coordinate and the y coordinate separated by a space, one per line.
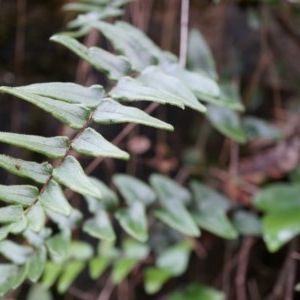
pixel 19 225
pixel 277 197
pixel 109 199
pixel 131 42
pixel 121 268
pixel 97 266
pixel 202 86
pixel 217 222
pixel 36 217
pixel 65 223
pixel 73 115
pixel 133 252
pixel 155 78
pixel 133 189
pixel 247 223
pixel 130 89
pixel 199 56
pixel 258 128
pixel 16 253
pixel 54 199
pixel 71 174
pixel 68 92
pixel 38 292
pixel 80 250
pixel 279 227
pixel 168 189
pixel 100 227
pixel 16 280
pixel 134 221
pixel 227 122
pixel 101 12
pixel 69 274
pixel 90 142
pixel 196 292
pixel 37 264
pixel 207 198
pixel 210 211
pixel 54 147
pixel 115 67
pixel 135 249
pixel 4 231
pixel 37 239
pixel 155 278
pixel 176 216
pixel 51 273
pixel 175 258
pixel 35 171
pixel 230 96
pixel 11 213
pixel 8 273
pixel 18 194
pixel 58 247
pixel 112 112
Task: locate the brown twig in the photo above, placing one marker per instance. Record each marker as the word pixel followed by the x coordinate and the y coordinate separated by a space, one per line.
pixel 242 266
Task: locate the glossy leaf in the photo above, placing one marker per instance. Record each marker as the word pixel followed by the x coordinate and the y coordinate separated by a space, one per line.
pixel 277 197
pixel 130 89
pixel 247 223
pixel 58 247
pixel 54 199
pixel 10 213
pixel 51 273
pixel 112 65
pixel 279 227
pixel 133 189
pixel 8 273
pixel 38 292
pixel 134 221
pixel 68 92
pixel 36 217
pixel 19 225
pixel 227 122
pixel 155 278
pixel 54 147
pixel 37 264
pixel 155 78
pixel 35 171
pixel 71 174
pixel 216 222
pixel 196 292
pixel 129 41
pixel 80 250
pixel 73 115
pixel 202 86
pixel 112 112
pixel 210 211
pixel 133 253
pixel 121 268
pixel 69 274
pixel 97 266
pixel 16 253
pixel 100 227
pixel 258 128
pixel 90 142
pixel 175 258
pixel 199 56
pixel 168 189
pixel 18 194
pixel 108 201
pixel 176 216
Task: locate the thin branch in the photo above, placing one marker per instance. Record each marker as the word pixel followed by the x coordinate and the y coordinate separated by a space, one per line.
pixel 184 31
